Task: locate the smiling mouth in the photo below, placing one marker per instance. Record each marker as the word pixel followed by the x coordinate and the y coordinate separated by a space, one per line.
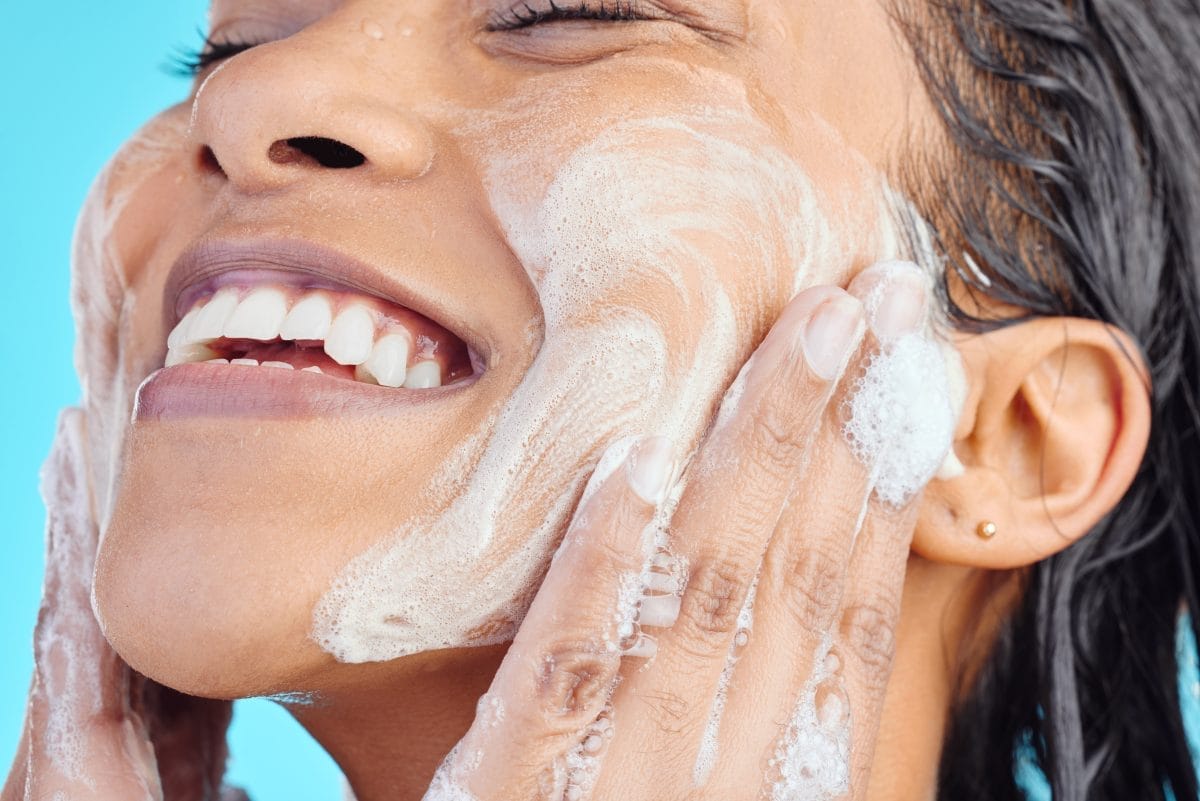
pixel 261 318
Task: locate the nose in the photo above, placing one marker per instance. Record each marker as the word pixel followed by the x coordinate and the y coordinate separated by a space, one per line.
pixel 267 118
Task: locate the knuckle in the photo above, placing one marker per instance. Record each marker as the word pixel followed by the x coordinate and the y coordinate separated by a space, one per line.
pixel 574 682
pixel 780 432
pixel 812 588
pixel 713 599
pixel 869 633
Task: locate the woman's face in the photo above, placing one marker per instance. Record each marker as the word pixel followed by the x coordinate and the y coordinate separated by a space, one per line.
pixel 595 219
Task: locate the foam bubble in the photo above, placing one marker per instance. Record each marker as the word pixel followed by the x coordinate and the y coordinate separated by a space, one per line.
pixel 901 418
pixel 812 760
pixel 580 766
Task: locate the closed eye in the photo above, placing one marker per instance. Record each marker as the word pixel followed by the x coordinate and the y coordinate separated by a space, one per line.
pixel 537 12
pixel 192 62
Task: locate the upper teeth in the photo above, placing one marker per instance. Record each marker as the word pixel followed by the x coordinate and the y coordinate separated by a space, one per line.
pixel 351 336
pixel 267 314
pixel 388 362
pixel 308 319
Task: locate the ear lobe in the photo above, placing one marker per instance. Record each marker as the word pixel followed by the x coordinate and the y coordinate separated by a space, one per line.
pixel 1053 432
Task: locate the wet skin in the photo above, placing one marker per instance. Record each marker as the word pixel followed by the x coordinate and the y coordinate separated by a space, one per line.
pixel 464 131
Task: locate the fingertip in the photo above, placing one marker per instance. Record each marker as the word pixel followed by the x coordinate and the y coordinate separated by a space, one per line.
pixel 650 468
pixel 807 300
pixel 832 334
pixel 614 456
pixel 896 296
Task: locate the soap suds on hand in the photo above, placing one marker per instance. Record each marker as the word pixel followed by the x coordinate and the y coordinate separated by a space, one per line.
pixel 812 760
pixel 706 757
pixel 900 419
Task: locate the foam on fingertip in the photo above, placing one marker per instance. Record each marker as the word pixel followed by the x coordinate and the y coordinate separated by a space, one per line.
pixel 902 408
pixel 900 421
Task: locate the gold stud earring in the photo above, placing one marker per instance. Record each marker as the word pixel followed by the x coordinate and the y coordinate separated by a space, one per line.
pixel 986 530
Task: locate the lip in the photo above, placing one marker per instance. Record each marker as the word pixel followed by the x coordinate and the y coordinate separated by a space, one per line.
pixel 316 266
pixel 211 390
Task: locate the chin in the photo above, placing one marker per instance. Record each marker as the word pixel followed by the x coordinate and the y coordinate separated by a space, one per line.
pixel 195 651
pixel 173 614
pixel 209 568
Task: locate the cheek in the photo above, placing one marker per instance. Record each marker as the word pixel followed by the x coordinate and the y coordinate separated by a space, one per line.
pixel 659 248
pixel 686 219
pixel 116 286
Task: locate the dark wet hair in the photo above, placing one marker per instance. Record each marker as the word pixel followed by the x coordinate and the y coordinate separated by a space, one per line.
pixel 1070 175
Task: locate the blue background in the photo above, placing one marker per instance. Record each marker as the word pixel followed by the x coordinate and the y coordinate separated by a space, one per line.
pixel 76 78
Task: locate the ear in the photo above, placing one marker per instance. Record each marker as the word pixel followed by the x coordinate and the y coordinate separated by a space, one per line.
pixel 1051 435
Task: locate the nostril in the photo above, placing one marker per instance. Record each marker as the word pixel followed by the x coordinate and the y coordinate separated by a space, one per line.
pixel 208 161
pixel 328 153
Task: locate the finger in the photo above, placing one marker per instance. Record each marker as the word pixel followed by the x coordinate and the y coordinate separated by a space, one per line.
pixel 787 634
pixel 906 446
pixel 805 567
pixel 743 475
pixel 868 625
pixel 540 728
pixel 84 743
pixel 189 738
pixel 829 596
pixel 736 492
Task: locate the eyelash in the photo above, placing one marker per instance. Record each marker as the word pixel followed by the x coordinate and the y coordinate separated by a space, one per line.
pixel 191 62
pixel 523 15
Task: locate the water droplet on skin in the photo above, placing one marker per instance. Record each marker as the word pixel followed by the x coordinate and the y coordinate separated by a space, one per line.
pixel 373 30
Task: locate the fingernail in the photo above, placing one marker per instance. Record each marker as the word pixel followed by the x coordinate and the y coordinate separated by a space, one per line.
pixel 650 467
pixel 900 309
pixel 661 582
pixel 644 648
pixel 832 331
pixel 660 611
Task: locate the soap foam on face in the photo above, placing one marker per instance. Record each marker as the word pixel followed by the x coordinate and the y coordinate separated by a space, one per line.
pixel 103 298
pixel 650 207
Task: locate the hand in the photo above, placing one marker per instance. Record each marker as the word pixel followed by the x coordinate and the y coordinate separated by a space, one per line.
pixel 94 729
pixel 746 654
